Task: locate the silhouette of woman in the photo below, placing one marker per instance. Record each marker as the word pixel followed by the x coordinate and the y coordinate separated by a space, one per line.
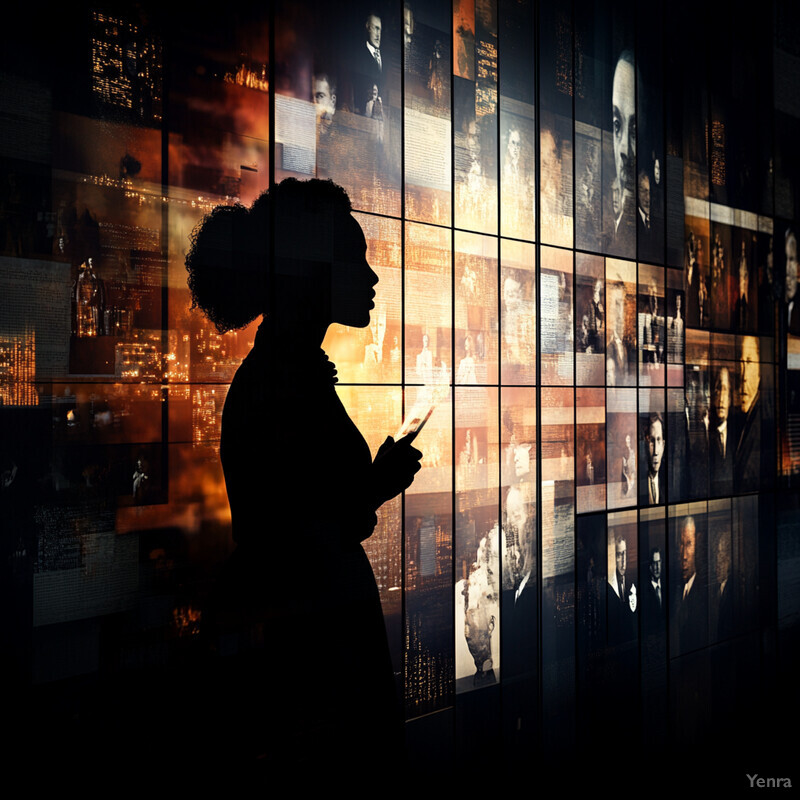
pixel 295 615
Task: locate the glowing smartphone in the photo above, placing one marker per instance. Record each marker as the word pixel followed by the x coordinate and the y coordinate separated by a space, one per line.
pixel 414 422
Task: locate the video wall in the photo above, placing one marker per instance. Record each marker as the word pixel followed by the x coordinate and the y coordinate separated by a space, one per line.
pixel 587 240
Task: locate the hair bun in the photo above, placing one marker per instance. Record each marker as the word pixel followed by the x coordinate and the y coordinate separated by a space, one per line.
pixel 227 267
pixel 228 260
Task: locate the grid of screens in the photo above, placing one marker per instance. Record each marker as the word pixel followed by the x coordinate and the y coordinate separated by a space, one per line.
pixel 589 240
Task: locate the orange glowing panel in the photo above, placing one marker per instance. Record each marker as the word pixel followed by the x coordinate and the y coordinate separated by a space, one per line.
pixel 428 305
pixel 476 353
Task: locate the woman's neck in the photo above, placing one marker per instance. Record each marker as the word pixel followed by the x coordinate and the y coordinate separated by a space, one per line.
pixel 296 333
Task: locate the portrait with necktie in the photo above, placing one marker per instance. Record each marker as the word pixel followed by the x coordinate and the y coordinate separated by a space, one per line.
pixel 652 486
pixel 368 64
pixel 720 444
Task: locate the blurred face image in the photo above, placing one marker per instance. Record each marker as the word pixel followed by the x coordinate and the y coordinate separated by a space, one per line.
pixel 521 559
pixel 374 31
pixel 653 294
pixel 522 460
pixel 644 193
pixel 623 99
pixel 749 373
pixel 550 165
pixel 687 550
pixel 791 267
pixel 408 25
pixel 722 395
pixel 691 391
pixel 655 566
pixel 324 98
pixel 512 294
pixel 621 556
pixel 514 146
pixel 655 446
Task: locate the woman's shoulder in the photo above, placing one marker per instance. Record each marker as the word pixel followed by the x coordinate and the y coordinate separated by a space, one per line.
pixel 276 389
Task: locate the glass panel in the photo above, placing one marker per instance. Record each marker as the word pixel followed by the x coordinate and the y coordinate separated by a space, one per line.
pixel 621 323
pixel 555 126
pixel 476 309
pixel 651 326
pixel 519 546
pixel 557 332
pixel 475 115
pixel 590 320
pixel 338 102
pixel 688 530
pixel 518 313
pixel 557 512
pixel 428 127
pixel 429 609
pixel 621 447
pixel 477 548
pixel 428 304
pixel 590 466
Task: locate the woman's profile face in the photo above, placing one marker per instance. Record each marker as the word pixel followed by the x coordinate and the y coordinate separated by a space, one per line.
pixel 352 278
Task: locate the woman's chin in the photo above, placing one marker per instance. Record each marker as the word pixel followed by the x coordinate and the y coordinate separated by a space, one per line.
pixel 359 319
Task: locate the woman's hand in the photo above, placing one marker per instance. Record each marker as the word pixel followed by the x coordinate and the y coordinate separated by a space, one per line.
pixel 394 468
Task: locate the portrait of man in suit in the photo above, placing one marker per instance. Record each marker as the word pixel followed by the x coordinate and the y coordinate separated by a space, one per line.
pixel 745 307
pixel 721 617
pixel 591 334
pixel 689 608
pixel 653 597
pixel 628 468
pixel 721 443
pixel 652 490
pixel 695 283
pixel 644 202
pixel 368 66
pixel 520 594
pixel 623 599
pixel 748 460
